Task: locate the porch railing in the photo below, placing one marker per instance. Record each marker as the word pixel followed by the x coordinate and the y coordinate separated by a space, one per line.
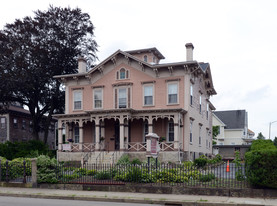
pixel 141 146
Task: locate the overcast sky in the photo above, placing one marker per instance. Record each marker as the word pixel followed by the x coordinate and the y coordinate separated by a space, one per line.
pixel 237 38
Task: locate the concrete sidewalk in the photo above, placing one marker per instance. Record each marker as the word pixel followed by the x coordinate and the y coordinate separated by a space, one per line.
pixel 163 199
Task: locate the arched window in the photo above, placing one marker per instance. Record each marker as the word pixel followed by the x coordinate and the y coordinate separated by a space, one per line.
pixel 122 73
pixel 145 58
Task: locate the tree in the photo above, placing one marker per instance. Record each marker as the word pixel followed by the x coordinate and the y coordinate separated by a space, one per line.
pixel 275 141
pixel 33 50
pixel 216 130
pixel 260 136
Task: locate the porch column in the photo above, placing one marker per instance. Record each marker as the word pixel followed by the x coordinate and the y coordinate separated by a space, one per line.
pixel 97 134
pixel 121 132
pixel 150 124
pixel 81 140
pixel 60 135
pixel 126 132
pixel 176 132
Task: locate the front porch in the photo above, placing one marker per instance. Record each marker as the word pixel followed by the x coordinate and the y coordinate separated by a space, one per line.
pixel 84 137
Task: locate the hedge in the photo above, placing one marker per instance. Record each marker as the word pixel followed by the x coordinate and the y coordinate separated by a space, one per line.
pixel 261 164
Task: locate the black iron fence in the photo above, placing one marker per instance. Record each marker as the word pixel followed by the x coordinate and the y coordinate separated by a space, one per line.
pixel 19 172
pixel 187 175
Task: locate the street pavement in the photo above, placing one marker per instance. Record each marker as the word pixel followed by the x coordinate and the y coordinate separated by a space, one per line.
pixel 162 199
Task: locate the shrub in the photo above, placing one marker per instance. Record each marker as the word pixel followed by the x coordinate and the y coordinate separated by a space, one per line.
pixel 261 167
pixel 261 144
pixel 103 175
pixel 47 169
pixel 201 161
pixel 207 177
pixel 124 159
pixel 136 161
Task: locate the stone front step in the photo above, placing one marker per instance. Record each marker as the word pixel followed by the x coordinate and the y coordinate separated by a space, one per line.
pixel 103 157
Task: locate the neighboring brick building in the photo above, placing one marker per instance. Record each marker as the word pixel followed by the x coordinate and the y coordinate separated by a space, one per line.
pixel 16 126
pixel 130 94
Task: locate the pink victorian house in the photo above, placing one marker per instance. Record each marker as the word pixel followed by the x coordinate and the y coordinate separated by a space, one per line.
pixel 110 109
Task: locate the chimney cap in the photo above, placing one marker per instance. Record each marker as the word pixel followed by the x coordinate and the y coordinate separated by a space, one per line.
pixel 189 45
pixel 81 58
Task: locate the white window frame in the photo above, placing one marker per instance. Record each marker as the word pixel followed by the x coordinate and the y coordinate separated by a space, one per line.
pixel 75 93
pixel 200 138
pixel 190 131
pixel 170 130
pixel 126 96
pixel 153 92
pixel 101 98
pixel 3 122
pixel 76 136
pixel 200 103
pixel 191 94
pixel 177 99
pixel 15 123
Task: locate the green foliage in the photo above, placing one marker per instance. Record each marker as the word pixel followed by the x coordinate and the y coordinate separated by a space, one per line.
pixel 124 159
pixel 261 165
pixel 47 169
pixel 261 144
pixel 32 148
pixel 215 160
pixel 260 136
pixel 201 161
pixel 237 161
pixel 103 175
pixel 275 142
pixel 15 168
pixel 207 177
pixel 136 161
pixel 35 49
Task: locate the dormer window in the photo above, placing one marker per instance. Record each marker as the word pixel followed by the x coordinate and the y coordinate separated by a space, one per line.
pixel 145 58
pixel 122 74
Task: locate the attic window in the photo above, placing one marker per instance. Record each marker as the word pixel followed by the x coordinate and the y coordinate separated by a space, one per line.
pixel 145 58
pixel 122 74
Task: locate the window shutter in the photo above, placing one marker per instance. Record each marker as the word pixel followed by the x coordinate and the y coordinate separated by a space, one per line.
pixel 129 98
pixel 115 98
pixel 127 74
pixel 117 73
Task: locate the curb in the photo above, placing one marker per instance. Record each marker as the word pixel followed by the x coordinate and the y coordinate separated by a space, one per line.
pixel 129 200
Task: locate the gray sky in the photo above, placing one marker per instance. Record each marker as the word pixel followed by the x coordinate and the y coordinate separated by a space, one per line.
pixel 237 38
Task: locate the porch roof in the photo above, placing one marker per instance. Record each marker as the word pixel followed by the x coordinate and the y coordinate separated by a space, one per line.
pixel 119 111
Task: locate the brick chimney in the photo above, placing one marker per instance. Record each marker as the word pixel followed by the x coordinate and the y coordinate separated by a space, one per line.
pixel 82 65
pixel 190 48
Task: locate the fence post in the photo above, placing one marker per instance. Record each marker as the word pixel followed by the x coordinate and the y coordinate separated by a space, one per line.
pixel 24 171
pixel 7 171
pixel 34 172
pixel 0 170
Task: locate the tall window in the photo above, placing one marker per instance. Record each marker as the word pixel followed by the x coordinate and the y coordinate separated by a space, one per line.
pixel 98 98
pixel 172 93
pixel 15 125
pixel 191 94
pixel 146 130
pixel 122 73
pixel 122 98
pixel 30 126
pixel 148 95
pixel 145 58
pixel 190 131
pixel 23 124
pixel 207 112
pixel 199 135
pixel 3 122
pixel 77 99
pixel 171 131
pixel 76 134
pixel 200 103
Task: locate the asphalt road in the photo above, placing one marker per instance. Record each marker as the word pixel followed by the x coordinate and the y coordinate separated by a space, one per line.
pixel 22 201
